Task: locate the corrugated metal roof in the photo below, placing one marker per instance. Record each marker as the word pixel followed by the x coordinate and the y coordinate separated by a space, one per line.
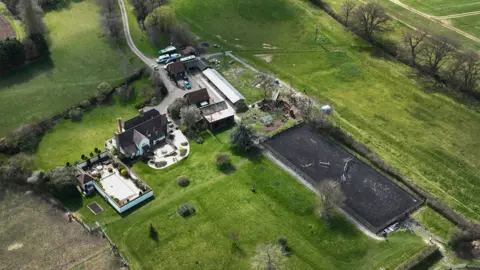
pixel 223 85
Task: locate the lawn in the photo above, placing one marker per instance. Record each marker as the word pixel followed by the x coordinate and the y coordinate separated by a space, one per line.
pixel 444 7
pixel 80 59
pixel 429 137
pixel 69 140
pixel 225 204
pixel 470 24
pixel 435 223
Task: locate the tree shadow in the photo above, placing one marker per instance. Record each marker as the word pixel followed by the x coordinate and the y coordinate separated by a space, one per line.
pixel 26 73
pixel 254 154
pixel 59 5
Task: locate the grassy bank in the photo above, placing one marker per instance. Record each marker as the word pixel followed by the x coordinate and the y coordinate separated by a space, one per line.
pixel 435 223
pixel 81 58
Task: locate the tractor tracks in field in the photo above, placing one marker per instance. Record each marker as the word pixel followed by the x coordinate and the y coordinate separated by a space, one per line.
pixel 442 20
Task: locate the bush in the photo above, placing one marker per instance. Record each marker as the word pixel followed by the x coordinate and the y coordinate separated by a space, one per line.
pixel 223 161
pixel 186 210
pixel 184 143
pixel 23 139
pixel 85 104
pixel 110 170
pixel 160 164
pixel 183 152
pixel 183 181
pixel 199 140
pixel 100 98
pixel 124 172
pixel 104 88
pixel 282 241
pixel 75 114
pixel 115 164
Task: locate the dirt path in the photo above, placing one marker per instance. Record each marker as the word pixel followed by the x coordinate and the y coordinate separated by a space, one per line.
pixel 436 19
pixel 459 15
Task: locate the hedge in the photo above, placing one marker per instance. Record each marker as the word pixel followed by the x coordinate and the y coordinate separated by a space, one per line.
pixel 423 257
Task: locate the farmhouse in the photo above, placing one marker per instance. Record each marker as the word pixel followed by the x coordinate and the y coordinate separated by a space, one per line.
pixel 214 109
pixel 137 135
pixel 227 90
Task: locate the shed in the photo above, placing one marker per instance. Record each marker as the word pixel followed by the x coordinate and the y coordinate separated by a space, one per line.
pixel 224 86
pixel 175 69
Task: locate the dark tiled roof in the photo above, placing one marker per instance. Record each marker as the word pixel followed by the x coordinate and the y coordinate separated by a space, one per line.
pixel 152 129
pixel 140 119
pixel 176 68
pixel 213 108
pixel 197 96
pixel 84 178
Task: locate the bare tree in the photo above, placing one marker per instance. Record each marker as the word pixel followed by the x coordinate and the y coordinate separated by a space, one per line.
pixel 372 18
pixel 190 116
pixel 330 196
pixel 31 14
pixel 268 256
pixel 348 6
pixel 159 87
pixel 437 52
pixel 412 40
pixel 468 74
pixel 181 36
pixel 268 85
pixel 110 19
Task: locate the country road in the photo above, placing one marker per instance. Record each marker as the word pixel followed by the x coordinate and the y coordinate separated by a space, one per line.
pixel 173 91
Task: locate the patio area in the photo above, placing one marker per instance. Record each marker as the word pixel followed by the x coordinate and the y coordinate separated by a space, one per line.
pixel 175 149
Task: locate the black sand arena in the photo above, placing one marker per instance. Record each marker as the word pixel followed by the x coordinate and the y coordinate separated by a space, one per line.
pixel 371 198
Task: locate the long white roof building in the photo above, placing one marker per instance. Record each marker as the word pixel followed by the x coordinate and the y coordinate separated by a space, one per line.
pixel 223 85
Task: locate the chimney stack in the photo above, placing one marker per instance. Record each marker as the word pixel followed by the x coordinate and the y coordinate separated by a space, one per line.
pixel 119 122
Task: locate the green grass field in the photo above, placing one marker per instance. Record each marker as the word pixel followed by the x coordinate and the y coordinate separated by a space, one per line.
pixel 431 138
pixel 470 24
pixel 281 207
pixel 76 138
pixel 444 7
pixel 81 59
pixel 406 19
pixel 435 223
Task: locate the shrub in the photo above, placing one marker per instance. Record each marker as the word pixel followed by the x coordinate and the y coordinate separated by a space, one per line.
pixel 184 143
pixel 223 161
pixel 115 164
pixel 110 170
pixel 183 181
pixel 186 210
pixel 183 152
pixel 282 241
pixel 100 98
pixel 85 104
pixel 75 114
pixel 124 172
pixel 23 139
pixel 160 164
pixel 104 88
pixel 199 140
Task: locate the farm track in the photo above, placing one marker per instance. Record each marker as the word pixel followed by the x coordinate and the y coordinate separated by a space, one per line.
pixel 6 29
pixel 440 20
pixel 459 15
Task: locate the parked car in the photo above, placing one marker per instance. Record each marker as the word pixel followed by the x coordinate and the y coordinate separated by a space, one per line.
pixel 172 58
pixel 163 58
pixel 187 84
